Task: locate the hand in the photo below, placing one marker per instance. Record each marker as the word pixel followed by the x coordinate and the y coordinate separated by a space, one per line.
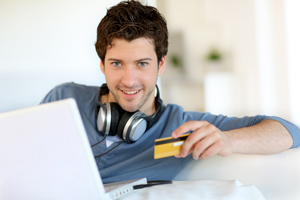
pixel 205 141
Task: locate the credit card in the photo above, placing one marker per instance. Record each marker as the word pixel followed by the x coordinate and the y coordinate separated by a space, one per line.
pixel 166 147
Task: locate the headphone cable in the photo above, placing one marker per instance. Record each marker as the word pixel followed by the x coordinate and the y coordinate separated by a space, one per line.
pixel 108 150
pixel 99 141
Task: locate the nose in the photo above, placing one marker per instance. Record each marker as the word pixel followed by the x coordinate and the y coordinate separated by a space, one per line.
pixel 129 76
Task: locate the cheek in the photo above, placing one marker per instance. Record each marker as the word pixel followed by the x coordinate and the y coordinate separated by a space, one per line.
pixel 149 76
pixel 110 77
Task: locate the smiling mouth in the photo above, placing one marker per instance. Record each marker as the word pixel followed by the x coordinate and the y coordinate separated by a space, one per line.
pixel 130 92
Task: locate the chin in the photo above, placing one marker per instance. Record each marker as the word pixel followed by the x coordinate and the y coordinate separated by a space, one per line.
pixel 131 109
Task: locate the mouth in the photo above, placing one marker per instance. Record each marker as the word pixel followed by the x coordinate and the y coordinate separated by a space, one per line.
pixel 131 92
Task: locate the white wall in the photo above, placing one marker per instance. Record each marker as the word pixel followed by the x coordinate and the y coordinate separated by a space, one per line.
pixel 264 38
pixel 45 43
pixel 235 21
pixel 260 39
pixel 292 15
pixel 228 25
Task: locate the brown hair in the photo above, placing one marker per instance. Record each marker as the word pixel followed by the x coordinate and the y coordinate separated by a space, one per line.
pixel 130 20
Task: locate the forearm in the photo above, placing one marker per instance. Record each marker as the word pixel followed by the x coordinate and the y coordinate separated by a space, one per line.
pixel 267 137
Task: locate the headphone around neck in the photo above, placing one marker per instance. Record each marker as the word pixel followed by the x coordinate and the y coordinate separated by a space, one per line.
pixel 130 126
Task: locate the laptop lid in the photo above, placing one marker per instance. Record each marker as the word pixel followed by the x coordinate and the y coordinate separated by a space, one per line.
pixel 45 154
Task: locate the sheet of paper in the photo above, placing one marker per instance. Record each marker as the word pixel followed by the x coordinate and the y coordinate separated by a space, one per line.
pixel 202 189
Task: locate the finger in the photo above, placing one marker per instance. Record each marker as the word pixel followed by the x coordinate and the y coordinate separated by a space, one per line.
pixel 196 137
pixel 177 156
pixel 188 126
pixel 203 145
pixel 214 149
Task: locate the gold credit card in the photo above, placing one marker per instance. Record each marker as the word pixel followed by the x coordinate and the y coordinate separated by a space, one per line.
pixel 166 147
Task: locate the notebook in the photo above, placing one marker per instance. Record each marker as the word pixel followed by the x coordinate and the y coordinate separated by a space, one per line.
pixel 45 154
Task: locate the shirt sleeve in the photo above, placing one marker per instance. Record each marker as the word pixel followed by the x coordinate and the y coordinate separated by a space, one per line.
pixel 225 123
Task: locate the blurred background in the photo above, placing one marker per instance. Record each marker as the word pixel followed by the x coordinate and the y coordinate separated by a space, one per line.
pixel 227 57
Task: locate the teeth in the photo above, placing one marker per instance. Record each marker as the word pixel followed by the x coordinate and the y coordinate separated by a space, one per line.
pixel 131 92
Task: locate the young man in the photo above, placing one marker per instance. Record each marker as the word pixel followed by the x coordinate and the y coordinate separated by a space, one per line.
pixel 124 118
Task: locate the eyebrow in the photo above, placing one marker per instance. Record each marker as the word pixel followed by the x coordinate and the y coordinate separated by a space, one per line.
pixel 143 59
pixel 114 59
pixel 139 60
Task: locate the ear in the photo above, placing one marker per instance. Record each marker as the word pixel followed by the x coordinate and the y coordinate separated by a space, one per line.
pixel 162 65
pixel 102 66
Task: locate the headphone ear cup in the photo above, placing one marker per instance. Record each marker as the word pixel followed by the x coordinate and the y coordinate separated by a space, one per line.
pixel 123 120
pixel 101 119
pixel 108 119
pixel 132 126
pixel 114 108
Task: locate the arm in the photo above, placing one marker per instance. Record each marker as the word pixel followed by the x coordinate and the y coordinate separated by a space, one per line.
pixel 206 140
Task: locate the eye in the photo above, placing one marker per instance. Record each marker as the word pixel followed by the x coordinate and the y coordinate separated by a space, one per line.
pixel 143 64
pixel 116 64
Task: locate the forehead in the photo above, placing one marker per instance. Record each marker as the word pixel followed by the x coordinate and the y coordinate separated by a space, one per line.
pixel 137 47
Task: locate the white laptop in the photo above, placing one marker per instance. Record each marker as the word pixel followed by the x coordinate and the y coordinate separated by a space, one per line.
pixel 45 154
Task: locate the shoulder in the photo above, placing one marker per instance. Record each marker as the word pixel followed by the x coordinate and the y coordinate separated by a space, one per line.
pixel 176 111
pixel 70 90
pixel 75 88
pixel 172 110
pixel 175 114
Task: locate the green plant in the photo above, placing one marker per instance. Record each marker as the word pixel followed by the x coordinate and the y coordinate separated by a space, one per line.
pixel 214 55
pixel 175 60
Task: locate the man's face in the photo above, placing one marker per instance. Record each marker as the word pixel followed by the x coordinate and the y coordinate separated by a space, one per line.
pixel 131 70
